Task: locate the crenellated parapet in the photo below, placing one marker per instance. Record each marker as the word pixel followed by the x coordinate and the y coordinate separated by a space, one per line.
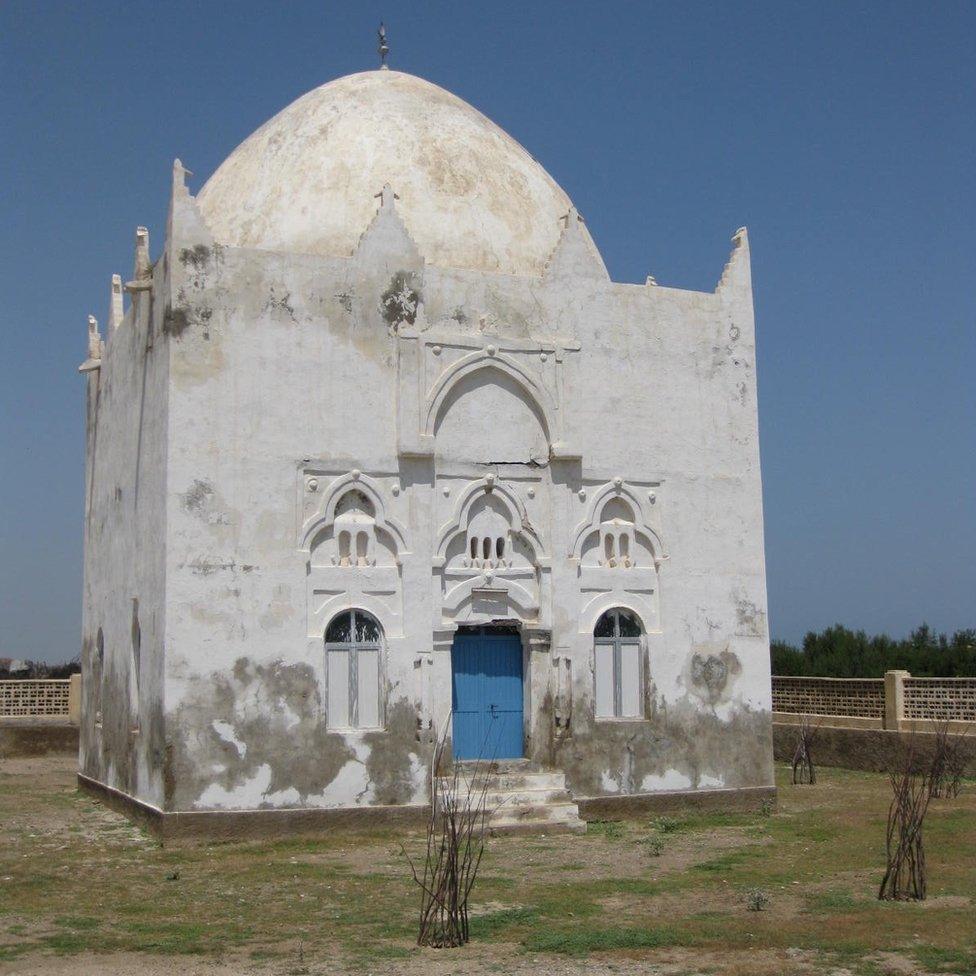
pixel 116 304
pixel 737 269
pixel 142 276
pixel 575 255
pixel 96 347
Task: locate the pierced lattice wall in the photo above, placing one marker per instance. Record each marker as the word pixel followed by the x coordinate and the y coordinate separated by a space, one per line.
pixel 940 699
pixel 857 697
pixel 45 698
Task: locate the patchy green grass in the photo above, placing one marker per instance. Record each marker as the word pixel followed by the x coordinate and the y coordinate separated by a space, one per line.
pixel 610 829
pixel 940 960
pixel 587 939
pixel 78 879
pixel 490 924
pixel 831 901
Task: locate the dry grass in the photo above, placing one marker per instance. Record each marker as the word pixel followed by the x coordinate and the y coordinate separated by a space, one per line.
pixel 78 883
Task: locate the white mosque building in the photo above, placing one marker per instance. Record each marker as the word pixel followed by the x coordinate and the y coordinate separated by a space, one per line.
pixel 378 450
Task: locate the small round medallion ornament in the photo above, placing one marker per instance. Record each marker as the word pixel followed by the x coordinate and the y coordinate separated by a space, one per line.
pixel 313 484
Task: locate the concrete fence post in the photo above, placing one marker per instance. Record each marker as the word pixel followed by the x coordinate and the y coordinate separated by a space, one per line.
pixel 895 699
pixel 74 700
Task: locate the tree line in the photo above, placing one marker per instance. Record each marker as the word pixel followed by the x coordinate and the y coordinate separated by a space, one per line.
pixel 841 653
pixel 27 670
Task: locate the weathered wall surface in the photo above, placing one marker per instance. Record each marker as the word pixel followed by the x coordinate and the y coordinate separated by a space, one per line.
pixel 439 411
pixel 122 743
pixel 271 373
pixel 294 378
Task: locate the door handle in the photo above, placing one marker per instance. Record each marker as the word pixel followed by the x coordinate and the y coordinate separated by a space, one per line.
pixel 494 710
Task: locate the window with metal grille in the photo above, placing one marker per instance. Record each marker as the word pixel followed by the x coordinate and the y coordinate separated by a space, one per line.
pixel 353 646
pixel 617 665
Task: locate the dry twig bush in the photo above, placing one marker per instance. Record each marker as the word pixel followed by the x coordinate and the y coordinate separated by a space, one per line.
pixel 948 764
pixel 905 874
pixel 804 772
pixel 455 844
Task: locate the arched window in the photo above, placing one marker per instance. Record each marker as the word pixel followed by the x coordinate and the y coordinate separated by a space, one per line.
pixel 353 642
pixel 617 665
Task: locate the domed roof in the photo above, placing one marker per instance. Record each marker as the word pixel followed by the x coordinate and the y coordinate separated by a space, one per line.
pixel 307 181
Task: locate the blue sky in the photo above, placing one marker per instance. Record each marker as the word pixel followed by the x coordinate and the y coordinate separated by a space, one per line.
pixel 842 134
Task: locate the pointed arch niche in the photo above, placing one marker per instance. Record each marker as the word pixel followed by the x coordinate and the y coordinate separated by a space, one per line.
pixel 619 552
pixel 489 562
pixel 353 550
pixel 435 372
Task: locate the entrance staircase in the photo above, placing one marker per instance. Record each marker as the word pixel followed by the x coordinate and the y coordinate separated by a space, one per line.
pixel 524 798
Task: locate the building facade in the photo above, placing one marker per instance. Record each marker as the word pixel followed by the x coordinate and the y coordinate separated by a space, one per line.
pixel 378 451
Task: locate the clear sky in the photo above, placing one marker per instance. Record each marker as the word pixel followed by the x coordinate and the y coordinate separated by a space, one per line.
pixel 842 133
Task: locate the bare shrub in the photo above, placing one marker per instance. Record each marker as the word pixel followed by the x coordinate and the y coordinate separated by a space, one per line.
pixel 757 900
pixel 905 874
pixel 948 763
pixel 654 846
pixel 804 772
pixel 455 844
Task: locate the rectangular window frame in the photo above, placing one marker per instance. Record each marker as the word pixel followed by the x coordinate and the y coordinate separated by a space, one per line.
pixel 616 678
pixel 353 689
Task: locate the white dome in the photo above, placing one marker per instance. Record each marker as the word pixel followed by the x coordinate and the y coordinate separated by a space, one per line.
pixel 307 180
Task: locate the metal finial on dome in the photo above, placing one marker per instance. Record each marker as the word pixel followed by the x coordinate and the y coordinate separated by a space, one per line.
pixel 383 48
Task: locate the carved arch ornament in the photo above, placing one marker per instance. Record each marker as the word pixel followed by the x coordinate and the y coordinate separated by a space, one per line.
pixel 358 578
pixel 627 577
pixel 325 514
pixel 462 511
pixel 426 376
pixel 473 589
pixel 641 506
pixel 476 362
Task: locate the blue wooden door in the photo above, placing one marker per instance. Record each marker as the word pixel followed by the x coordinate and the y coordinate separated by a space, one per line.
pixel 487 696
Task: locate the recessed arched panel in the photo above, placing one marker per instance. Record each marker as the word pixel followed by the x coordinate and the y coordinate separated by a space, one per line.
pixel 488 415
pixel 355 503
pixel 617 508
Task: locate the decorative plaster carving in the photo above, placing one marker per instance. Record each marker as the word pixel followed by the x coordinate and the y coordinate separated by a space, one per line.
pixel 489 560
pixel 324 513
pixel 618 551
pixel 430 366
pixel 354 549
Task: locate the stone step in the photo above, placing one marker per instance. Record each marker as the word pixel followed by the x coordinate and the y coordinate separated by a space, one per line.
pixel 522 798
pixel 502 765
pixel 498 799
pixel 517 782
pixel 556 817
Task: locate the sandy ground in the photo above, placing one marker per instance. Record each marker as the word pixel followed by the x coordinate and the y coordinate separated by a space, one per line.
pixel 469 961
pixel 42 827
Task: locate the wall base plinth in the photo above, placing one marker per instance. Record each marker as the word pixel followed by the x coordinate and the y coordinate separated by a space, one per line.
pixel 209 825
pixel 634 805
